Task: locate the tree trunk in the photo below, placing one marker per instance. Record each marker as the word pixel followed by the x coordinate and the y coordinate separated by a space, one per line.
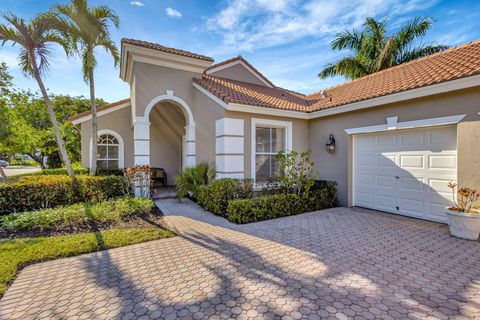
pixel 53 118
pixel 38 160
pixel 93 165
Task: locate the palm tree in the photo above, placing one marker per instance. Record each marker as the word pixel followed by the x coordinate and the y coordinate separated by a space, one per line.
pixel 375 51
pixel 88 28
pixel 35 37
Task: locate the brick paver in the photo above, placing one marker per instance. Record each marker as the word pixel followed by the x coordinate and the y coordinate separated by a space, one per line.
pixel 339 263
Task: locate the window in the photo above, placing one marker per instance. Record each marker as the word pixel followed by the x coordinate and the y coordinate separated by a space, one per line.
pixel 108 154
pixel 268 142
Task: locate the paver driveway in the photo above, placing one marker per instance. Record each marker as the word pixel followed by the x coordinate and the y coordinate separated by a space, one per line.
pixel 340 263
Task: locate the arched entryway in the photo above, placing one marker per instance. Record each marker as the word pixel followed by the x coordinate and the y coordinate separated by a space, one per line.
pixel 165 136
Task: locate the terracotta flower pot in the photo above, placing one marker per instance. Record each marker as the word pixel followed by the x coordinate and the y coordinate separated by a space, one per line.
pixel 463 225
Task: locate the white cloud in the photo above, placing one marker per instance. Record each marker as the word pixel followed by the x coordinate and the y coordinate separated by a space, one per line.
pixel 245 25
pixel 9 57
pixel 137 3
pixel 173 13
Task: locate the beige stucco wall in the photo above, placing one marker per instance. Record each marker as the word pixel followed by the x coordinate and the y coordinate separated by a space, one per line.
pixel 118 121
pixel 299 136
pixel 167 123
pixel 152 81
pixel 238 72
pixel 337 166
pixel 206 113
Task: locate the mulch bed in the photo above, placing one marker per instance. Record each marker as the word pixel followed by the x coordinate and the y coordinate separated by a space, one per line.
pixel 154 219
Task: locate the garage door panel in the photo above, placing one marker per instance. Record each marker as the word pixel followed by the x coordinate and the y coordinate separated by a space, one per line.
pixel 442 161
pixel 386 181
pixel 389 161
pixel 385 201
pixel 412 138
pixel 387 140
pixel 412 206
pixel 441 137
pixel 412 161
pixel 412 184
pixel 440 185
pixel 406 171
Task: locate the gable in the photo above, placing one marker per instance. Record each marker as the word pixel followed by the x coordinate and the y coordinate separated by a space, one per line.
pixel 238 72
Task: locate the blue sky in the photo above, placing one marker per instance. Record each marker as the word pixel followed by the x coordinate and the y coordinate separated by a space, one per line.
pixel 287 40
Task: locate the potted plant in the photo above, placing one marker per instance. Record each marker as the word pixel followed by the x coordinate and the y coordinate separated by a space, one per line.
pixel 463 216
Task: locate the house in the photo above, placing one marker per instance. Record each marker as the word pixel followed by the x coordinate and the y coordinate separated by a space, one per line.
pixel 400 134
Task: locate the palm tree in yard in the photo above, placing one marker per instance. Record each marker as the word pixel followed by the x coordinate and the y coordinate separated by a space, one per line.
pixel 374 50
pixel 88 29
pixel 35 37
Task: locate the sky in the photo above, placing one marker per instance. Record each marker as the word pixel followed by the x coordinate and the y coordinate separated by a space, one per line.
pixel 287 40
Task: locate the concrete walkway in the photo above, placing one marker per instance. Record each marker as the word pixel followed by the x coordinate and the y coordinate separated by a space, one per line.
pixel 338 263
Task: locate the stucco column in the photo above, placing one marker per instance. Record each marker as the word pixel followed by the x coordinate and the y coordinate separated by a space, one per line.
pixel 190 152
pixel 141 141
pixel 229 148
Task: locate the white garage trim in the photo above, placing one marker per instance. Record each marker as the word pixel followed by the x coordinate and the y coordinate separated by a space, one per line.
pixel 393 125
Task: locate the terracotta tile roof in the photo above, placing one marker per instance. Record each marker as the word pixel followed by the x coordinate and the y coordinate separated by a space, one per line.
pixel 239 58
pixel 451 64
pixel 102 108
pixel 155 46
pixel 253 94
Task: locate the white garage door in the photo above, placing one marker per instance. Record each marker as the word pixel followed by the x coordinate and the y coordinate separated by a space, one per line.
pixel 406 171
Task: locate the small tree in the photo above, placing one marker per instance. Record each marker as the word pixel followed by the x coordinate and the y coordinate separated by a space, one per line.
pixel 34 38
pixel 296 171
pixel 88 29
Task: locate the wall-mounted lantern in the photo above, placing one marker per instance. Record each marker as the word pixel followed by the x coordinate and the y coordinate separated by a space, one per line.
pixel 330 144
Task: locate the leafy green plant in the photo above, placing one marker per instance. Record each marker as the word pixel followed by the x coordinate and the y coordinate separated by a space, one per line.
pixel 296 171
pixel 42 192
pixel 77 215
pixel 375 50
pixel 215 197
pixel 63 171
pixel 281 205
pixel 35 38
pixel 188 182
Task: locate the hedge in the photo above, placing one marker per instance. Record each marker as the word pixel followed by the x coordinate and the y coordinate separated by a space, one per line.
pixel 82 171
pixel 215 197
pixel 41 192
pixel 280 205
pixel 63 171
pixel 77 215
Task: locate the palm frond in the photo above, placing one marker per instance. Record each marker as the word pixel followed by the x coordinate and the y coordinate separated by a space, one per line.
pixel 413 29
pixel 351 68
pixel 351 40
pixel 110 46
pixel 328 71
pixel 421 52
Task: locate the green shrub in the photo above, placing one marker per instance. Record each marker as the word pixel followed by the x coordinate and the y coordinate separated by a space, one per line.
pixel 281 205
pixel 42 192
pixel 77 215
pixel 215 197
pixel 63 171
pixel 82 171
pixel 190 179
pixel 109 172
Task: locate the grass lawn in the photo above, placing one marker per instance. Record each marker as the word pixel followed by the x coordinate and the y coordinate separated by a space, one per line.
pixel 17 253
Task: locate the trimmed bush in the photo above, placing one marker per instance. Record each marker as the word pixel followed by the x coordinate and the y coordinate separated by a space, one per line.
pixel 215 197
pixel 42 192
pixel 109 172
pixel 77 215
pixel 281 205
pixel 63 171
pixel 82 171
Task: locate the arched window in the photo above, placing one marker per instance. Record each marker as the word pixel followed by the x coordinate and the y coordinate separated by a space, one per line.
pixel 108 152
